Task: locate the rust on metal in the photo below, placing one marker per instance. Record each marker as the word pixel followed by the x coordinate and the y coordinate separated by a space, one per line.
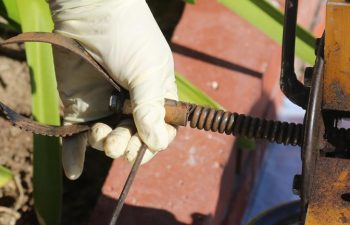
pixel 37 128
pixel 177 113
pixel 209 119
pixel 337 56
pixel 66 43
pixel 329 202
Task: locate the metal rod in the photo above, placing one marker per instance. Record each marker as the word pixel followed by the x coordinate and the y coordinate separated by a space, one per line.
pixel 310 147
pixel 290 85
pixel 128 185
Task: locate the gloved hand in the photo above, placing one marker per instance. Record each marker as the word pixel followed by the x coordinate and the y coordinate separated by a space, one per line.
pixel 124 38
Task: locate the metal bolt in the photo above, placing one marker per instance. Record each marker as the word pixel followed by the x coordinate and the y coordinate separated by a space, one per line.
pixel 116 103
pixel 113 103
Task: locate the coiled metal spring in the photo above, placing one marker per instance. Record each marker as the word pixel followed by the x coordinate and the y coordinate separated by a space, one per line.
pixel 241 125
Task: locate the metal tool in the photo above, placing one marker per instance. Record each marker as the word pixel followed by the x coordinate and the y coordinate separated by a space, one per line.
pixel 325 147
pixel 177 113
pixel 325 178
pixel 128 184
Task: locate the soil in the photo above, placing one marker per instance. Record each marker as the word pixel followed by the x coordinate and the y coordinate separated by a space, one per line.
pixel 16 201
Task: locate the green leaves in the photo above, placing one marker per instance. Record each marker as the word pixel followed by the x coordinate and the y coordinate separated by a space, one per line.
pixel 268 19
pixel 5 176
pixel 8 10
pixel 190 1
pixel 190 93
pixel 34 16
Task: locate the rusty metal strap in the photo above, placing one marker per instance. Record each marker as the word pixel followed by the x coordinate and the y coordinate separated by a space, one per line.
pixel 66 43
pixel 177 113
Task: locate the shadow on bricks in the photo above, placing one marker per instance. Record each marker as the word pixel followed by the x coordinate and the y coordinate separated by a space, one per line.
pixel 236 184
pixel 132 215
pixel 243 165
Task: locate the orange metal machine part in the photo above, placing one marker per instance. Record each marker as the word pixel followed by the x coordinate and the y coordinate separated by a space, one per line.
pixel 329 202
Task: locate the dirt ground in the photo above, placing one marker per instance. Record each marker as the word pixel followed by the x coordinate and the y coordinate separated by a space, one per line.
pixel 16 201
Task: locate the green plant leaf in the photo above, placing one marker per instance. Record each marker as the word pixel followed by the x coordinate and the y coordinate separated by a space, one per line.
pixel 5 176
pixel 188 92
pixel 35 16
pixel 190 1
pixel 8 10
pixel 269 20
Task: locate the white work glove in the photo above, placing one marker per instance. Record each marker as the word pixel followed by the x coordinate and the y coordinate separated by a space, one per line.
pixel 124 38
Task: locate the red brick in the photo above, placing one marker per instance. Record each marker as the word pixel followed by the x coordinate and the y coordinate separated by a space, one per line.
pixel 196 175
